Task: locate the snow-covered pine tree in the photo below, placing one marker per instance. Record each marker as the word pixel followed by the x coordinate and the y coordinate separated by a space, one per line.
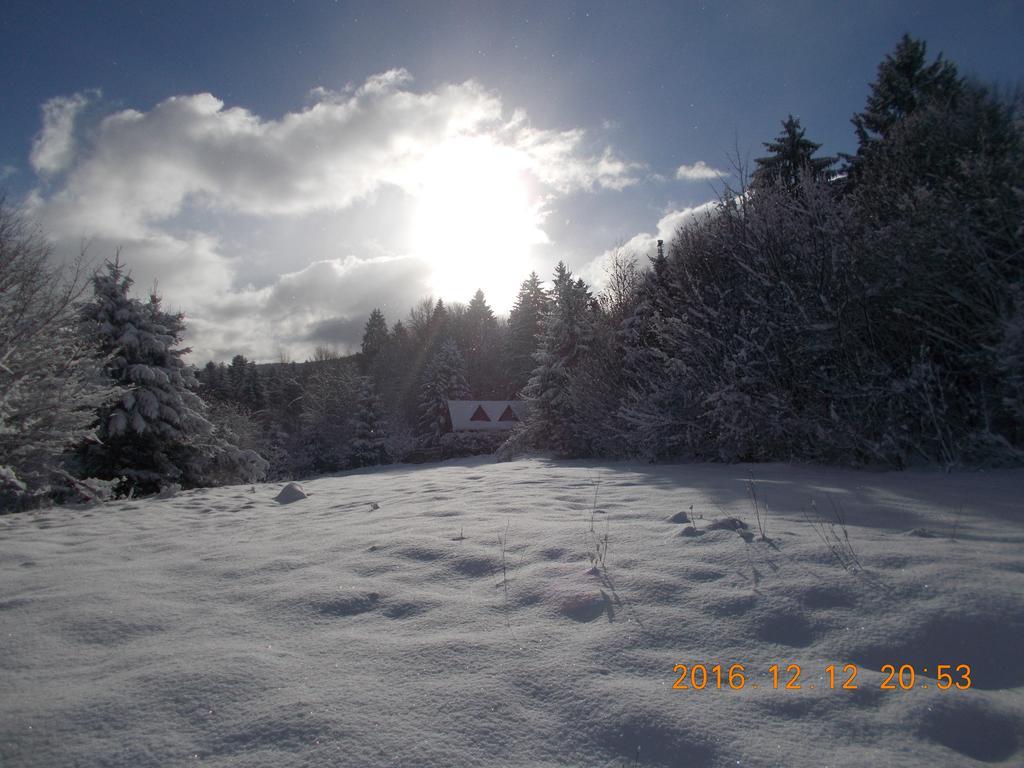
pixel 254 393
pixel 478 337
pixel 567 332
pixel 905 84
pixel 213 379
pixel 936 183
pixel 395 376
pixel 236 378
pixel 597 386
pixel 524 329
pixel 443 379
pixel 791 158
pixel 647 427
pixel 155 433
pixel 375 336
pixel 50 380
pixel 370 438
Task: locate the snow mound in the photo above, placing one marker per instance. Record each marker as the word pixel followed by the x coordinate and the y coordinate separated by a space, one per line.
pixel 291 492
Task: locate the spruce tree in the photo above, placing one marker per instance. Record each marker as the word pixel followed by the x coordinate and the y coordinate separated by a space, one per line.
pixel 156 432
pixel 212 379
pixel 397 377
pixel 236 378
pixel 791 158
pixel 566 335
pixel 254 394
pixel 444 379
pixel 477 337
pixel 375 336
pixel 369 442
pixel 906 84
pixel 525 324
pixel 147 436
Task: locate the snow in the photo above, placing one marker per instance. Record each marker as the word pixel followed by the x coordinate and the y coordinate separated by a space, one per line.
pixel 369 624
pixel 291 492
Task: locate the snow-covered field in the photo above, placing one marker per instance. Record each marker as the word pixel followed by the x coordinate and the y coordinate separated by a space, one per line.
pixel 371 624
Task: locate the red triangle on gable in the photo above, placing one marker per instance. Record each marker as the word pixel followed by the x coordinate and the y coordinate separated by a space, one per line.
pixel 479 414
pixel 508 414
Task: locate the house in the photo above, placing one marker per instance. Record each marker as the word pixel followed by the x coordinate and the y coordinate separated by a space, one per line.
pixel 485 415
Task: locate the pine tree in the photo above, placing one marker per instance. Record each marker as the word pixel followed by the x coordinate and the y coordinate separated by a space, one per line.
pixel 438 329
pixel 236 378
pixel 211 377
pixel 791 158
pixel 444 379
pixel 155 433
pixel 567 332
pixel 477 337
pixel 394 373
pixel 369 443
pixel 375 336
pixel 905 85
pixel 525 324
pixel 647 370
pixel 254 394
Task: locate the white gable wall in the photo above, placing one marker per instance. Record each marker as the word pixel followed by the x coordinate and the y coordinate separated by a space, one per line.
pixel 462 411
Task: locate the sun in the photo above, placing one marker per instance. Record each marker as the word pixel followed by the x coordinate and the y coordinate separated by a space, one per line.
pixel 476 220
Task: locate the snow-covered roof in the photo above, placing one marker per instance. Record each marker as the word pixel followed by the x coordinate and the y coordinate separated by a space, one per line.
pixel 484 415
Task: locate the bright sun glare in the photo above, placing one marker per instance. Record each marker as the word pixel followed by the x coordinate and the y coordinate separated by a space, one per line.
pixel 475 222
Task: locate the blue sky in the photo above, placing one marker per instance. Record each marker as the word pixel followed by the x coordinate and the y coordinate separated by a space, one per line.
pixel 284 167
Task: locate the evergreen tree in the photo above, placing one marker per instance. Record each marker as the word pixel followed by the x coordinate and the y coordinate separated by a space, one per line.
pixel 328 402
pixel 369 442
pixel 444 379
pixel 936 183
pixel 639 330
pixel 791 158
pixel 438 329
pixel 395 375
pixel 525 324
pixel 236 378
pixel 566 335
pixel 477 337
pixel 905 85
pixel 254 395
pixel 212 379
pixel 155 433
pixel 375 336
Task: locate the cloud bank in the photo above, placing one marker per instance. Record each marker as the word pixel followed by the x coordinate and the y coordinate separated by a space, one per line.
pixel 644 246
pixel 185 188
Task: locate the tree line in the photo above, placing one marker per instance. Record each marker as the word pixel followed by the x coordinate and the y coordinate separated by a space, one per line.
pixel 858 309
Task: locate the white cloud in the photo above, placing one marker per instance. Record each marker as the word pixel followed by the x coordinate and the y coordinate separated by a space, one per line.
pixel 180 187
pixel 644 245
pixel 144 167
pixel 54 147
pixel 699 171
